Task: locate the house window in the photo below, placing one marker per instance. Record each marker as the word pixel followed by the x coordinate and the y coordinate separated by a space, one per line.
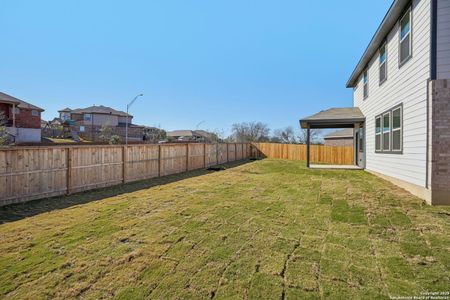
pixel 366 84
pixel 389 131
pixel 35 113
pixel 405 37
pixel 87 117
pixel 15 111
pixel 383 65
pixel 397 129
pixel 378 134
pixel 65 116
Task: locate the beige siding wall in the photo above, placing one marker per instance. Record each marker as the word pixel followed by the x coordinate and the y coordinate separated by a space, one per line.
pixel 100 120
pixel 443 40
pixel 338 142
pixel 124 119
pixel 407 85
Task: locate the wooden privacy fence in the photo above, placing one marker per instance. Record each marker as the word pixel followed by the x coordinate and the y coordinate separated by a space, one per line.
pixel 336 155
pixel 28 173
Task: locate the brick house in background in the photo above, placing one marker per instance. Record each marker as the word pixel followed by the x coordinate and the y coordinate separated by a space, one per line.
pixel 342 137
pixel 88 122
pixel 23 120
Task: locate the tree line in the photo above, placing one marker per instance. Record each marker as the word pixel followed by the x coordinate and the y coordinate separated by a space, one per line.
pixel 246 132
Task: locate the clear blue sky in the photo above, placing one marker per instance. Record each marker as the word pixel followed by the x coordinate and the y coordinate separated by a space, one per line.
pixel 217 61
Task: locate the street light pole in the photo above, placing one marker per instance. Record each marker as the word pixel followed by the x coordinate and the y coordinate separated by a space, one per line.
pixel 126 124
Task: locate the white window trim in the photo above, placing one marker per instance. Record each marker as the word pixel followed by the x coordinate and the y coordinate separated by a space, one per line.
pixel 397 129
pixel 391 130
pixel 379 133
pixel 90 117
pixel 383 63
pixel 386 131
pixel 408 35
pixel 365 84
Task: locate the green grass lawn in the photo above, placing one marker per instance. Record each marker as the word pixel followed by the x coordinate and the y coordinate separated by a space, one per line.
pixel 268 229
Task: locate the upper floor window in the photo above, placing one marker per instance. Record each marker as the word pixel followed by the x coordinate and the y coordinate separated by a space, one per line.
pixel 87 117
pixel 65 116
pixel 366 84
pixel 35 113
pixel 383 64
pixel 405 37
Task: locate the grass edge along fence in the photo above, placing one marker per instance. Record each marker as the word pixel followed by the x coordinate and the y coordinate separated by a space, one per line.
pixel 30 173
pixel 336 155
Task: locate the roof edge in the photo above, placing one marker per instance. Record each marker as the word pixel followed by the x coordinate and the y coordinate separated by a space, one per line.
pixel 393 14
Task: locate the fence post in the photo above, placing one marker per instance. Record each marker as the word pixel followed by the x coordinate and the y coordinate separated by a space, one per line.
pixel 159 161
pixel 187 157
pixel 69 170
pixel 124 165
pixel 235 152
pixel 228 159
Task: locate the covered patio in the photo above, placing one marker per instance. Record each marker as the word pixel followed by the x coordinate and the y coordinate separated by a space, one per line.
pixel 351 117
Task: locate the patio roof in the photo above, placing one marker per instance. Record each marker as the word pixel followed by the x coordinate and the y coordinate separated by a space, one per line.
pixel 334 118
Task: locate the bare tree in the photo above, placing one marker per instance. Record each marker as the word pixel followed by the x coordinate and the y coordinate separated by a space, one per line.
pixel 106 135
pixel 285 136
pixel 216 135
pixel 315 136
pixel 250 132
pixel 3 132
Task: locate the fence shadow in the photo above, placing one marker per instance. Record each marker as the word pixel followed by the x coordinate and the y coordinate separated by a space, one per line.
pixel 15 212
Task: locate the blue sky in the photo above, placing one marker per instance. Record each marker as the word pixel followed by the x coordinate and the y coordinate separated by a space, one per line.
pixel 218 61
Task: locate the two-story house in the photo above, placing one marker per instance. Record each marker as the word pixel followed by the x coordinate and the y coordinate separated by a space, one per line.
pixel 401 100
pixel 96 116
pixel 22 119
pixel 88 121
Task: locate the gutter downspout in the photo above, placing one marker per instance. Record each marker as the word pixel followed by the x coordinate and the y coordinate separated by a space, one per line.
pixel 433 76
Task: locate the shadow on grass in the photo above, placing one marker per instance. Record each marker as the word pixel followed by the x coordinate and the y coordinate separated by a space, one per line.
pixel 15 212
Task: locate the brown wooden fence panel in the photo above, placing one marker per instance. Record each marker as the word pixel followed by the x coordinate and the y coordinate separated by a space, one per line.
pixel 28 173
pixel 196 156
pixel 338 155
pixel 95 167
pixel 173 159
pixel 239 152
pixel 211 155
pixel 231 152
pixel 222 152
pixel 142 162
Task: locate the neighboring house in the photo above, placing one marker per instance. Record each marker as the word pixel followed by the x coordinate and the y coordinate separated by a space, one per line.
pixel 23 120
pixel 401 100
pixel 88 122
pixel 96 116
pixel 190 135
pixel 342 137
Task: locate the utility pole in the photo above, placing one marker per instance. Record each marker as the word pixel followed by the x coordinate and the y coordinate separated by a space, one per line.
pixel 126 125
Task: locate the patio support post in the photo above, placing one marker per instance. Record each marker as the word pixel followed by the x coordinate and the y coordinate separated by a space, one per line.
pixel 308 146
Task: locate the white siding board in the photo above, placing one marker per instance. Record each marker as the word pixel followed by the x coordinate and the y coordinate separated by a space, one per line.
pixel 443 39
pixel 407 85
